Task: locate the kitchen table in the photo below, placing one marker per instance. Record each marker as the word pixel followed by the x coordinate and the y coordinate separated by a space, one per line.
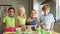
pixel 33 32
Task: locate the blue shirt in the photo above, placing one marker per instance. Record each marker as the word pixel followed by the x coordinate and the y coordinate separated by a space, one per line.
pixel 47 19
pixel 35 23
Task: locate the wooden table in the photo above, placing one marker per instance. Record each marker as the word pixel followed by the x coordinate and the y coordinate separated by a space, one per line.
pixel 52 32
pixel 55 33
pixel 34 32
pixel 8 32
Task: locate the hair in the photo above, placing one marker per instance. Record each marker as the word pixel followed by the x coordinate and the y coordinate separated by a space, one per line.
pixel 11 8
pixel 33 10
pixel 24 15
pixel 46 7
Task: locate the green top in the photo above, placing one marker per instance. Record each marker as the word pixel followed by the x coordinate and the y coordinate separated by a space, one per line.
pixel 10 22
pixel 21 21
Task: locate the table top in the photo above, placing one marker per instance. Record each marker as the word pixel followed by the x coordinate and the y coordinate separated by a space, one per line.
pixel 34 32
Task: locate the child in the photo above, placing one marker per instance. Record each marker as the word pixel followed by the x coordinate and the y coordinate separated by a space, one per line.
pixel 21 17
pixel 33 20
pixel 9 21
pixel 47 18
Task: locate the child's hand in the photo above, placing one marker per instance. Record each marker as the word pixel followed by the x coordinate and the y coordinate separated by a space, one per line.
pixel 39 26
pixel 46 29
pixel 51 29
pixel 28 30
pixel 4 26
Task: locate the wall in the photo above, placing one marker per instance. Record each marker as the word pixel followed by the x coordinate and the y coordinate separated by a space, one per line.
pixel 38 7
pixel 53 8
pixel 15 3
pixel 57 8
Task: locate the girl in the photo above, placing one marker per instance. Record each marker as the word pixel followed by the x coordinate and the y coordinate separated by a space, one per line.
pixel 33 20
pixel 9 21
pixel 21 17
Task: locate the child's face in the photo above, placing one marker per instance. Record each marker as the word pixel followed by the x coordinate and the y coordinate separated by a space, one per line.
pixel 33 14
pixel 11 12
pixel 46 11
pixel 21 11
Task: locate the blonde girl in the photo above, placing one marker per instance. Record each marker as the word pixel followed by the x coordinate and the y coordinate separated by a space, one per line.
pixel 21 17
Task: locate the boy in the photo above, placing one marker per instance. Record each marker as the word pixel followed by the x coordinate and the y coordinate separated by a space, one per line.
pixel 47 18
pixel 9 21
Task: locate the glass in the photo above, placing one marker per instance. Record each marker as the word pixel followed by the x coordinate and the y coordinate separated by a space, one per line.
pixel 18 31
pixel 26 32
pixel 47 32
pixel 38 29
pixel 42 31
